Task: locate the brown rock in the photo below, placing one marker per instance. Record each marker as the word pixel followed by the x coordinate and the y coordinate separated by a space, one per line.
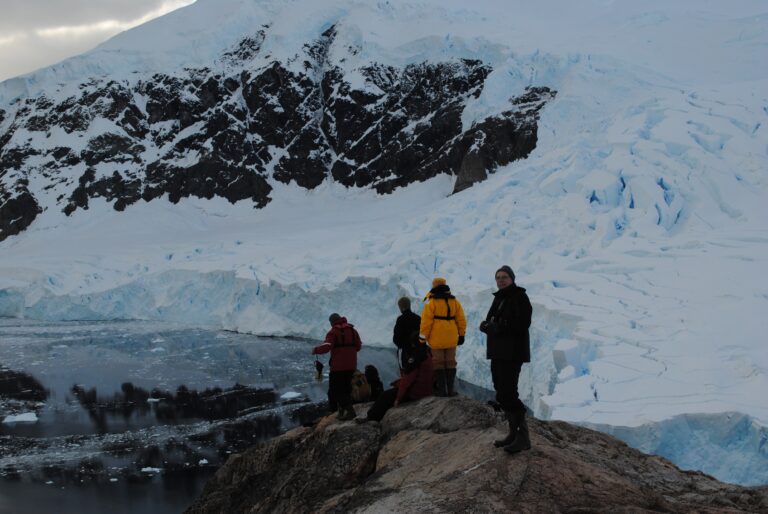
pixel 437 455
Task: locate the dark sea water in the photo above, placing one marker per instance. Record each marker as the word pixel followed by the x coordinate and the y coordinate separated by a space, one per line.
pixel 134 417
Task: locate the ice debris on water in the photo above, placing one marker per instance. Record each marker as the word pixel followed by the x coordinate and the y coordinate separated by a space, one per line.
pixel 27 417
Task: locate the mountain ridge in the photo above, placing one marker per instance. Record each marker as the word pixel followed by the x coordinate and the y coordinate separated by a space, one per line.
pixel 230 134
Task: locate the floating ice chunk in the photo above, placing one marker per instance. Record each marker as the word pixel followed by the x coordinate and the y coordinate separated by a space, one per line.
pixel 158 349
pixel 158 340
pixel 27 417
pixel 113 480
pixel 150 470
pixel 202 462
pixel 290 395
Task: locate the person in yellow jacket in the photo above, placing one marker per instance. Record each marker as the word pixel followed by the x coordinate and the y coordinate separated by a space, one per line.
pixel 443 326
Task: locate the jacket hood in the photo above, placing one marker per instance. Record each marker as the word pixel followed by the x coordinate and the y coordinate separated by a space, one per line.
pixel 342 322
pixel 441 291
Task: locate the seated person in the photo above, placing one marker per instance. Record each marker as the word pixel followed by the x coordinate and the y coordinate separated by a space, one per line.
pixel 415 380
pixel 374 381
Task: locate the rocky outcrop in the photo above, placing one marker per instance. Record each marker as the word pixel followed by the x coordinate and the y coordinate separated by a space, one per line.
pixel 231 132
pixel 437 455
pixel 18 209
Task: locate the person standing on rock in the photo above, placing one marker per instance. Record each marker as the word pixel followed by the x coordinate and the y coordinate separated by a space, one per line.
pixel 508 347
pixel 343 341
pixel 443 326
pixel 406 325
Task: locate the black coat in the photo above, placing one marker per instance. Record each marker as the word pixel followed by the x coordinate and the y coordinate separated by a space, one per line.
pixel 508 320
pixel 407 323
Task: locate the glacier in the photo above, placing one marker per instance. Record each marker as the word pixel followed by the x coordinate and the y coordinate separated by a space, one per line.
pixel 638 225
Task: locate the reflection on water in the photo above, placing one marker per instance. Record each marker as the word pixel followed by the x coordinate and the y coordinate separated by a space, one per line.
pixel 129 410
pixel 166 407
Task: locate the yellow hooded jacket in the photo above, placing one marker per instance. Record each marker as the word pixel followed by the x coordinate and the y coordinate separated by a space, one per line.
pixel 439 332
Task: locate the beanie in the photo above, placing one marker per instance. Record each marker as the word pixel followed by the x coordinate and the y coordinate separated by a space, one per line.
pixel 438 281
pixel 506 269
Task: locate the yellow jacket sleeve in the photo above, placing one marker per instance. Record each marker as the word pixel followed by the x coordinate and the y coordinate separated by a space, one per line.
pixel 427 319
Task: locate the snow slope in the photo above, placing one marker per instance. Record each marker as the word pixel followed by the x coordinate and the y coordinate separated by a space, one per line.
pixel 639 225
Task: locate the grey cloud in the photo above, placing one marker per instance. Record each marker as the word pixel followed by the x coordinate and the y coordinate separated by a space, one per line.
pixel 28 15
pixel 22 50
pixel 33 52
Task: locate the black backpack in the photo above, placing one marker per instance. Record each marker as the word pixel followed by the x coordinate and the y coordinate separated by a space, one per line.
pixel 413 353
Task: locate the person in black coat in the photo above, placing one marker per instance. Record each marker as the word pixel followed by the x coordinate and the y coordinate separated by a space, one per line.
pixel 508 347
pixel 407 323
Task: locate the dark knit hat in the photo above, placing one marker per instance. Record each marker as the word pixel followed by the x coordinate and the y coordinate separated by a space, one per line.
pixel 506 269
pixel 333 318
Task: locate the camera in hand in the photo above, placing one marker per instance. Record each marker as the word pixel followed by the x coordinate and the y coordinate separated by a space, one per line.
pixel 490 327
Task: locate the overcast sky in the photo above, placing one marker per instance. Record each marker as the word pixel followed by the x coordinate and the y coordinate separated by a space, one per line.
pixel 37 33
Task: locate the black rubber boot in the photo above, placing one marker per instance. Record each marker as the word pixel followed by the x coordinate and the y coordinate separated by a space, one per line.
pixel 450 379
pixel 512 423
pixel 522 441
pixel 440 382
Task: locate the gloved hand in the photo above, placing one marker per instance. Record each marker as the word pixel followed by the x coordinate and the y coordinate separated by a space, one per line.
pixel 489 327
pixel 461 340
pixel 422 339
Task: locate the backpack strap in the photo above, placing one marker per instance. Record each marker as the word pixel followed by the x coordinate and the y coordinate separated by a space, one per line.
pixel 342 340
pixel 448 317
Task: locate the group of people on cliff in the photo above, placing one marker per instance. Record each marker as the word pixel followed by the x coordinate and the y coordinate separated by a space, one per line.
pixel 427 346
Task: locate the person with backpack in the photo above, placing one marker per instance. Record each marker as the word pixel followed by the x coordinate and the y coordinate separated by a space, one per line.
pixel 343 341
pixel 443 326
pixel 508 347
pixel 406 324
pixel 415 380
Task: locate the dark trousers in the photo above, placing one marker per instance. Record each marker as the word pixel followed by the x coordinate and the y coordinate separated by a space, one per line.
pixel 506 374
pixel 340 389
pixel 383 403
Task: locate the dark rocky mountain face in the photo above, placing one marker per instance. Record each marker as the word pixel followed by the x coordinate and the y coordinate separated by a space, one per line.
pixel 204 133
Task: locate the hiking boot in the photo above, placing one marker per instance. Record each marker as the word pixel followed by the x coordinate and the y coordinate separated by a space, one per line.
pixel 440 382
pixel 496 406
pixel 512 423
pixel 450 378
pixel 522 441
pixel 347 413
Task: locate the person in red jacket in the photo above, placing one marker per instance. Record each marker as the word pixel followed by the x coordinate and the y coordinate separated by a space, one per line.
pixel 343 341
pixel 415 381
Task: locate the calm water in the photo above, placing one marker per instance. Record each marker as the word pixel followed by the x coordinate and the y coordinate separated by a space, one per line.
pixel 99 445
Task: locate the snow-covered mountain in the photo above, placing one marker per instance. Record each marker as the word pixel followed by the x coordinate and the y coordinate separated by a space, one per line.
pixel 256 165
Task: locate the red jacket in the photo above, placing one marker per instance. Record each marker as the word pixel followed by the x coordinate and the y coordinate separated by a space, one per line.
pixel 343 341
pixel 417 383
